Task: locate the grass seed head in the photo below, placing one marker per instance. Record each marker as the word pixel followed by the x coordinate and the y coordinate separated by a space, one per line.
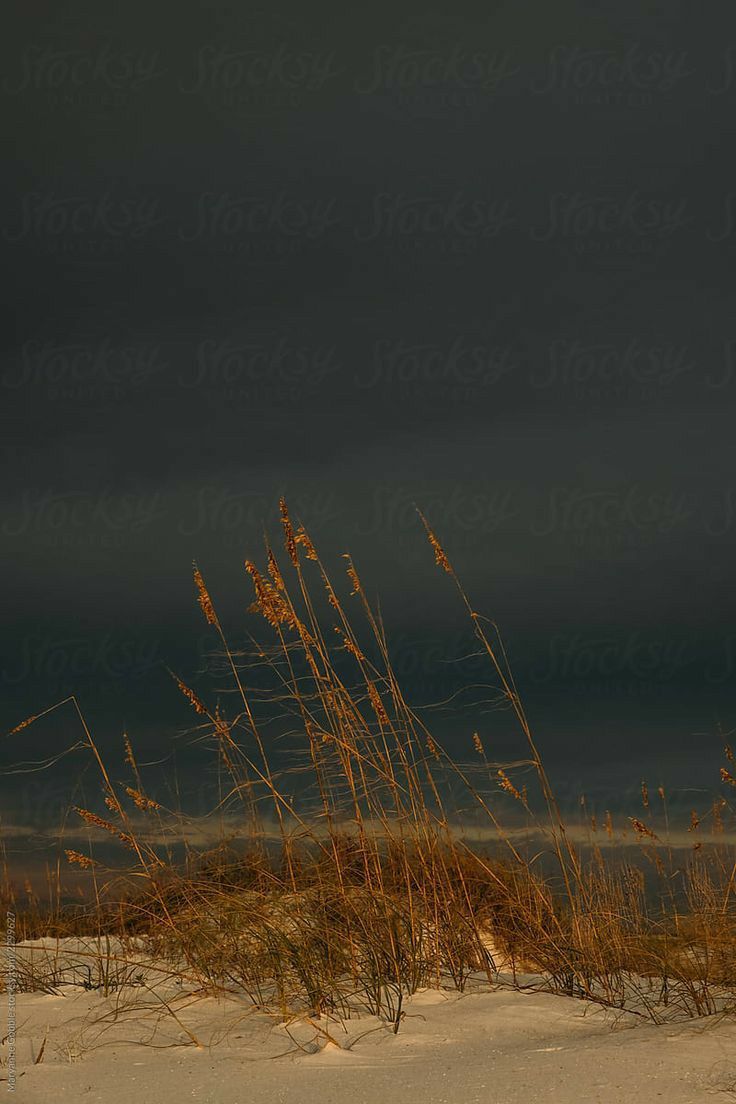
pixel 275 572
pixel 378 707
pixel 147 804
pixel 289 539
pixel 191 697
pixel 81 860
pixel 204 598
pixel 350 646
pixel 641 828
pixel 302 537
pixel 269 601
pixel 129 757
pixel 353 576
pixel 23 724
pixel 440 557
pixel 98 822
pixel 507 785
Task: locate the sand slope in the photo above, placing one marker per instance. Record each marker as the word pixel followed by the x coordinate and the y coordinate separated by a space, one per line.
pixel 493 1047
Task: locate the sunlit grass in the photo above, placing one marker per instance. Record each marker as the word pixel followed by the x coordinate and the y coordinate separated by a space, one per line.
pixel 353 901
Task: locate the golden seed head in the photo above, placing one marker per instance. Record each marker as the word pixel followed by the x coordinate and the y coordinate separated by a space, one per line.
pixel 440 557
pixel 478 744
pixel 81 860
pixel 353 576
pixel 275 572
pixel 141 801
pixel 129 757
pixel 641 829
pixel 507 785
pixel 302 537
pixel 289 539
pixel 204 598
pixel 350 646
pixel 269 602
pixel 98 822
pixel 23 724
pixel 378 707
pixel 191 697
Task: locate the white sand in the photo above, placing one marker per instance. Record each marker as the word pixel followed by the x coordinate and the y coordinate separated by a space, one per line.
pixel 496 1047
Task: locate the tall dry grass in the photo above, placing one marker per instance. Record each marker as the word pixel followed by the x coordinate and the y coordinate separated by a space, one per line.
pixel 372 892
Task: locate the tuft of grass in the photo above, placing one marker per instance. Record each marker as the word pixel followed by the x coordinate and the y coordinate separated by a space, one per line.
pixel 352 901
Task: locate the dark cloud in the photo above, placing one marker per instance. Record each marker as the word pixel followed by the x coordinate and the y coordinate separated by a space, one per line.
pixel 369 260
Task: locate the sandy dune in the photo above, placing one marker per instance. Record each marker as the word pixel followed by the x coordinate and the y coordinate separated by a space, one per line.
pixel 494 1047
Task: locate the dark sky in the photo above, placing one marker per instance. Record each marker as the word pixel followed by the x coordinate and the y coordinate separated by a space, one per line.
pixel 367 258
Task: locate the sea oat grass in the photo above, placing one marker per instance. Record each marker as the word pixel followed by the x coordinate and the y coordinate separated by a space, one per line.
pixel 356 898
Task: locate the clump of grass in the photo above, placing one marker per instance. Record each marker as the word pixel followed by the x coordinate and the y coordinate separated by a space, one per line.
pixel 372 893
